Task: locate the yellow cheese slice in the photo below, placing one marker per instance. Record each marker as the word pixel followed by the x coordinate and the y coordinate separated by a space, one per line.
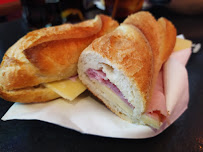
pixel 114 98
pixel 150 121
pixel 67 89
pixel 182 44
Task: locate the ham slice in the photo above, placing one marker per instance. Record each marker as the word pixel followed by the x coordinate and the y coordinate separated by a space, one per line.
pixel 100 76
pixel 156 107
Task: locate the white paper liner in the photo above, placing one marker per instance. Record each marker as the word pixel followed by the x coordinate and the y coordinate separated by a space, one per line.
pixel 88 116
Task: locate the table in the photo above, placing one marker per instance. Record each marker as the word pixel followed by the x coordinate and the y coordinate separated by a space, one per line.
pixel 186 134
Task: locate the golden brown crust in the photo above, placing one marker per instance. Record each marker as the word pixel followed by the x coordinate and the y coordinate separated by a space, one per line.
pixel 56 60
pixel 168 39
pixel 146 23
pixel 65 31
pixel 49 54
pixel 29 95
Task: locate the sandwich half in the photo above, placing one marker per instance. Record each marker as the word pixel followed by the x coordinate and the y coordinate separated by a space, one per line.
pixel 47 55
pixel 121 68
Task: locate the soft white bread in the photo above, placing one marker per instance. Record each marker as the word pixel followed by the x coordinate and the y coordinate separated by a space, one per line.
pixel 47 55
pixel 131 57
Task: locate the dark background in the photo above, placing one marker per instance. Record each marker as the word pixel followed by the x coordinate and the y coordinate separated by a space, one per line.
pixel 185 135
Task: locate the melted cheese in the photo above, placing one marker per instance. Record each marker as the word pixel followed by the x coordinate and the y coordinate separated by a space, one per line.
pixel 182 44
pixel 67 89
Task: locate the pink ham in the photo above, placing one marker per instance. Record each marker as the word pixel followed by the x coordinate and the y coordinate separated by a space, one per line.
pixel 157 104
pixel 100 76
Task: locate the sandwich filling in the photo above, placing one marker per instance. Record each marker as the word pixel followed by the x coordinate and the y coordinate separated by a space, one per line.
pixel 100 76
pixel 156 111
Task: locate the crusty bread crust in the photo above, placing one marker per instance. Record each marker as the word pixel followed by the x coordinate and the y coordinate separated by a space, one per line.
pixel 48 54
pixel 168 39
pixel 29 95
pixel 148 25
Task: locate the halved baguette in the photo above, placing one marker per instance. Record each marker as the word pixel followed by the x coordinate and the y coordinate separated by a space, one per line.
pixel 121 67
pixel 47 55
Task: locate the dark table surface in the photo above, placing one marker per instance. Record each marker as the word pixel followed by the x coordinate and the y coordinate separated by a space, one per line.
pixel 186 134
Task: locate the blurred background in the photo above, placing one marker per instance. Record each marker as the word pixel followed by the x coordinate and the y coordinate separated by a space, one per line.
pixel 45 13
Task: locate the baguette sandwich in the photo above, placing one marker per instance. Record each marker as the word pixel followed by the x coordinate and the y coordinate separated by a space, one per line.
pixel 47 55
pixel 121 68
